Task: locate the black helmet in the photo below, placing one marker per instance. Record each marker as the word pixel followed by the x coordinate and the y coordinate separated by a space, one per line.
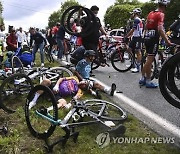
pixel 89 53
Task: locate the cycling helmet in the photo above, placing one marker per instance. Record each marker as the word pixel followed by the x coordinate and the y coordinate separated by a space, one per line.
pixel 163 2
pixel 89 53
pixel 137 10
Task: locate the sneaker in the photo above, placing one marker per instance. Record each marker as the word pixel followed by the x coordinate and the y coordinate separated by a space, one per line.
pixel 134 70
pixel 31 104
pixel 113 88
pixel 142 82
pixel 151 85
pixel 42 64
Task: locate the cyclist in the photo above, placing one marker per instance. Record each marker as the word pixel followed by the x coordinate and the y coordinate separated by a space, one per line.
pixel 64 87
pixel 154 29
pixel 83 69
pixel 175 28
pixel 136 43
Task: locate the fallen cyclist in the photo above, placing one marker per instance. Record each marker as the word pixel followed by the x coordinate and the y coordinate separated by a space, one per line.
pixel 64 87
pixel 83 69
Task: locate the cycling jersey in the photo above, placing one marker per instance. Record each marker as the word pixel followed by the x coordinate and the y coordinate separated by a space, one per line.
pixel 84 68
pixel 138 27
pixel 69 86
pixel 155 19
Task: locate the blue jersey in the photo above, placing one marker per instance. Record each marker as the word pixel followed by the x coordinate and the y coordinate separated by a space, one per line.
pixel 84 68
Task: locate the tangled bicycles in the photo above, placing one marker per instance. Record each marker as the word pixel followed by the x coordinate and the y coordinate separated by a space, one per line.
pixel 43 118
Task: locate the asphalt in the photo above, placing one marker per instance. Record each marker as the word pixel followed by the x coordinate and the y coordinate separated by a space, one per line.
pixel 148 105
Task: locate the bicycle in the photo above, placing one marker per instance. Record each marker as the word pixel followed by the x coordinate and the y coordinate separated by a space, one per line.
pixel 11 89
pixel 42 119
pixel 20 84
pixel 169 80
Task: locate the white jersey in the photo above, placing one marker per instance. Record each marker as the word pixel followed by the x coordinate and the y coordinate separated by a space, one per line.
pixel 138 27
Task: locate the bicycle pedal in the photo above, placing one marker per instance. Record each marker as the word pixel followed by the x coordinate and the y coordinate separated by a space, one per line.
pixel 42 110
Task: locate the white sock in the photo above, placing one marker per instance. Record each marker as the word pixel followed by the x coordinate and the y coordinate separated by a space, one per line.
pixel 107 89
pixel 93 93
pixel 36 97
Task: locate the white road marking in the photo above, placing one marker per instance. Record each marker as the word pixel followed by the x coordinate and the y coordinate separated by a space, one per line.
pixel 167 125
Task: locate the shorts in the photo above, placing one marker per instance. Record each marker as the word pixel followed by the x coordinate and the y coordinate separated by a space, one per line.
pixel 57 96
pixel 90 83
pixel 136 43
pixel 152 45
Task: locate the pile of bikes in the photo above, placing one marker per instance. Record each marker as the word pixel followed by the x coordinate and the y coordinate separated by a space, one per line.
pixel 19 85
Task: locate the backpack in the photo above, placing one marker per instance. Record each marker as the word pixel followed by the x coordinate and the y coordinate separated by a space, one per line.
pixel 77 55
pixel 68 88
pixel 26 58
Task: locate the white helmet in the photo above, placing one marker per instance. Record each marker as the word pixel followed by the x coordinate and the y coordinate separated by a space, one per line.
pixel 163 2
pixel 137 10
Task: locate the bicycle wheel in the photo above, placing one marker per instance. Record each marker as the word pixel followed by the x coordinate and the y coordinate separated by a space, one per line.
pixel 48 55
pixel 109 110
pixel 58 72
pixel 17 65
pixel 165 84
pixel 13 90
pixel 38 125
pixel 122 61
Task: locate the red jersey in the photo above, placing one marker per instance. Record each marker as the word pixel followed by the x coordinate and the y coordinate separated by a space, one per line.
pixel 54 30
pixel 155 19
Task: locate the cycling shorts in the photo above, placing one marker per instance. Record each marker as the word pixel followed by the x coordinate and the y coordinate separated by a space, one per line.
pixel 151 45
pixel 136 43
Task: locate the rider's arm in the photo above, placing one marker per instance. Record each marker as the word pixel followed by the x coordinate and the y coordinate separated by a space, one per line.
pixel 130 33
pixel 102 30
pixel 78 75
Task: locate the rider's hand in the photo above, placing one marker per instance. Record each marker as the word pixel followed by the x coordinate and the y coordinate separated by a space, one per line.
pixel 169 43
pixel 56 89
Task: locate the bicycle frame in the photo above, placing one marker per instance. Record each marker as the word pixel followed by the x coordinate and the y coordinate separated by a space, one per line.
pixel 78 105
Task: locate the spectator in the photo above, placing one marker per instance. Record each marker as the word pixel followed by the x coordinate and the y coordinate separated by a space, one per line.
pixel 60 41
pixel 11 41
pixel 91 41
pixel 39 43
pixel 21 37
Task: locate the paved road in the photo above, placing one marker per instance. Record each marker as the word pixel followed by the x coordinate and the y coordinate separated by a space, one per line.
pixel 148 98
pixel 167 121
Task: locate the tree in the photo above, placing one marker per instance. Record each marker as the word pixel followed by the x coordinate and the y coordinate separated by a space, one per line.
pixel 118 15
pixel 56 16
pixel 172 12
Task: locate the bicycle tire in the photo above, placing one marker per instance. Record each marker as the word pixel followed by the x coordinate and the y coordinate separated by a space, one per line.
pixel 17 63
pixel 164 85
pixel 38 126
pixel 121 114
pixel 68 13
pixel 62 71
pixel 47 54
pixel 120 63
pixel 10 91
